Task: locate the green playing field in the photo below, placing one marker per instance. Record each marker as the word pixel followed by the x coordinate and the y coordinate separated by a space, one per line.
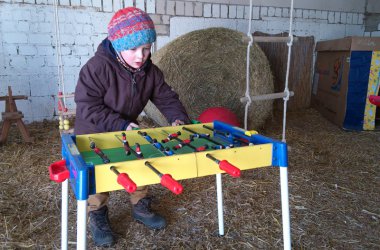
pixel 148 150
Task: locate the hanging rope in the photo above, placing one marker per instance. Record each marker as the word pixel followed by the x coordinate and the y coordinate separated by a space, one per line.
pixel 61 83
pixel 286 90
pixel 247 95
pixel 285 95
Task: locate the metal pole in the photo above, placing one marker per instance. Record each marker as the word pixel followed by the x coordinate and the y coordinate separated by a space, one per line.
pixel 219 193
pixel 153 169
pixel 81 224
pixel 64 215
pixel 285 207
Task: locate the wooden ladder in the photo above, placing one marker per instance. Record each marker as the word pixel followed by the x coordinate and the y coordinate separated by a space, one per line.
pixel 12 115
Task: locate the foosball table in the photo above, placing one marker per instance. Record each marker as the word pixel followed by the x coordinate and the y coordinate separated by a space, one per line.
pixel 105 162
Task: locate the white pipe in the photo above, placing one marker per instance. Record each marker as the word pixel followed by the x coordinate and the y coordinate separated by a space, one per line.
pixel 64 216
pixel 285 207
pixel 268 96
pixel 81 224
pixel 219 193
pixel 269 39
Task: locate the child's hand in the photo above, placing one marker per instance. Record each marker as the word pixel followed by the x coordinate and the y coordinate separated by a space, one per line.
pixel 132 126
pixel 177 123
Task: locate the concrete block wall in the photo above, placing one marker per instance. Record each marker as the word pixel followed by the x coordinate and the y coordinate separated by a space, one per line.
pixel 322 24
pixel 373 33
pixel 28 57
pixel 28 54
pixel 372 19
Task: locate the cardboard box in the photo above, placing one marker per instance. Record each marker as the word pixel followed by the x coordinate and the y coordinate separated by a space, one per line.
pixel 346 73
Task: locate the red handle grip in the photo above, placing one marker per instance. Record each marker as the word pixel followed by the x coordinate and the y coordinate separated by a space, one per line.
pixel 124 180
pixel 171 184
pixel 58 171
pixel 229 168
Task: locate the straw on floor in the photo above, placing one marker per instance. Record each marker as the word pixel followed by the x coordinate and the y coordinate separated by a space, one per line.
pixel 333 184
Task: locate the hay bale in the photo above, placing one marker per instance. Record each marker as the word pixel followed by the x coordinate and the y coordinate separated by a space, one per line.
pixel 207 68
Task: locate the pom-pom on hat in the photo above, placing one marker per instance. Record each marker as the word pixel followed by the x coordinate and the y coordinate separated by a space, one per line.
pixel 130 28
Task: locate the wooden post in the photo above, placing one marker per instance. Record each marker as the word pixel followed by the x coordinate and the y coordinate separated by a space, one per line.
pixel 12 115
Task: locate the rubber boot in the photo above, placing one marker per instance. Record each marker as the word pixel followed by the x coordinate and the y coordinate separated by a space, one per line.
pixel 100 227
pixel 142 212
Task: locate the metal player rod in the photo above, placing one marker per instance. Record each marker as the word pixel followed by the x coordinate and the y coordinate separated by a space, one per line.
pixel 225 166
pixel 267 96
pixel 166 180
pixel 165 151
pixel 204 137
pixel 98 151
pixel 228 135
pixel 128 149
pixel 216 131
pixel 184 143
pixel 153 169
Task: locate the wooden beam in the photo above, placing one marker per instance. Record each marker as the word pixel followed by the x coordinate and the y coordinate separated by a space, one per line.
pixel 14 97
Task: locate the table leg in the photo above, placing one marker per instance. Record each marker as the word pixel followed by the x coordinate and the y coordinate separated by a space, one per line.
pixel 81 224
pixel 219 192
pixel 285 207
pixel 64 216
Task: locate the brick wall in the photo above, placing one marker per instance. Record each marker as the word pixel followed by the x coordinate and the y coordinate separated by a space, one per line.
pixel 27 35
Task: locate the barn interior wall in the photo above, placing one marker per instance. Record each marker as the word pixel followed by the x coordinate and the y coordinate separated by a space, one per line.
pixel 28 40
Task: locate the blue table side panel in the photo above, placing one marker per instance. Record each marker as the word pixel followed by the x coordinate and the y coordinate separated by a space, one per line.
pixel 280 150
pixel 280 154
pixel 360 63
pixel 80 172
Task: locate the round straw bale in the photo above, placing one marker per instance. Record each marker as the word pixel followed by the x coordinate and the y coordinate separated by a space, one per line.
pixel 207 68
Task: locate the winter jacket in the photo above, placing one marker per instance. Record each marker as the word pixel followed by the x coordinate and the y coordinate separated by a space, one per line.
pixel 108 96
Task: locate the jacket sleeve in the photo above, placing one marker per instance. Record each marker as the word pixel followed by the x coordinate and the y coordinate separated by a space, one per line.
pixel 167 101
pixel 89 97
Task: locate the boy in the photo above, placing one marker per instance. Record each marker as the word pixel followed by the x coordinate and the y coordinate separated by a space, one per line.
pixel 113 88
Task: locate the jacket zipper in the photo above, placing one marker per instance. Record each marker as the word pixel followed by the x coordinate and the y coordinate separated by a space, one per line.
pixel 133 85
pixel 133 79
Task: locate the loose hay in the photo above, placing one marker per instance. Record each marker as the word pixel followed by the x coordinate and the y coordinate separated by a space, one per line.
pixel 207 68
pixel 333 185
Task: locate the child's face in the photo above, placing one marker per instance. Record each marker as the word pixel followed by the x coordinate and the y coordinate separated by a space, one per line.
pixel 136 57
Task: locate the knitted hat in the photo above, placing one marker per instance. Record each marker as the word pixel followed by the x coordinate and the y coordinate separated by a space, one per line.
pixel 130 28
